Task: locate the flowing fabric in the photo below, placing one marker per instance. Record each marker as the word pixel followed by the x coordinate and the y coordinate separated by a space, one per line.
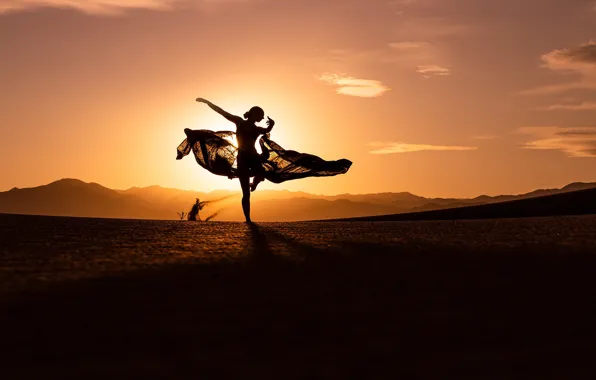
pixel 215 152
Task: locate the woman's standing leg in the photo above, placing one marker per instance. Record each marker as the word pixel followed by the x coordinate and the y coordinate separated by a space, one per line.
pixel 245 185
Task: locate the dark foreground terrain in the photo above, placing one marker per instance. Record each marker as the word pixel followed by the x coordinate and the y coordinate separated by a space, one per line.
pixel 122 299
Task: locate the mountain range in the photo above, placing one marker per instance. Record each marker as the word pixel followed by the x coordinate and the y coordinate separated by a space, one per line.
pixel 72 197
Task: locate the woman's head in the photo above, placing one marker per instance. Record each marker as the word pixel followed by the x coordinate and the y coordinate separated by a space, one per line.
pixel 255 114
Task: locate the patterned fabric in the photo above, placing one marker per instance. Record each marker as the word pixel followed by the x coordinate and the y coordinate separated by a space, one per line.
pixel 215 152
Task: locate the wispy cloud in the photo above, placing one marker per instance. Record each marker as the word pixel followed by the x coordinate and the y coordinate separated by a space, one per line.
pixel 574 142
pixel 412 52
pixel 579 60
pixel 421 55
pixel 433 71
pixel 422 35
pixel 364 88
pixel 87 6
pixel 399 6
pixel 483 137
pixel 409 45
pixel 401 147
pixel 583 106
pixel 559 88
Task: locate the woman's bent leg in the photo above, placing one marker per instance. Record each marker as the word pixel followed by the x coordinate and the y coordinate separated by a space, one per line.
pixel 245 185
pixel 255 182
pixel 259 173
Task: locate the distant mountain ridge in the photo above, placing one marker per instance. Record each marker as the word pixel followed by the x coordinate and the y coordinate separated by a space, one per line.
pixel 72 197
pixel 574 202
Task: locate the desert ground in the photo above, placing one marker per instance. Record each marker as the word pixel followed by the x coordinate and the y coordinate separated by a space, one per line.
pixel 124 299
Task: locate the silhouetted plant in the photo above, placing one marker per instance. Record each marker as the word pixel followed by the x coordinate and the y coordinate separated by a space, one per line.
pixel 193 214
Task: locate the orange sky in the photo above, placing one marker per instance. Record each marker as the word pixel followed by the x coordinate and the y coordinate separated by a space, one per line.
pixel 437 97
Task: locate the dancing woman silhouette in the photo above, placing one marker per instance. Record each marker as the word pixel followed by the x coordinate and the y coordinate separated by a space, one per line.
pixel 249 162
pixel 216 153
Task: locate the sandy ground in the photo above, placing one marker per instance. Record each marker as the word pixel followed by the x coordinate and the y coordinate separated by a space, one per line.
pixel 92 298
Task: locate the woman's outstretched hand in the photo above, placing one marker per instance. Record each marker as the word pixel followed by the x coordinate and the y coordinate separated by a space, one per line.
pixel 202 100
pixel 270 122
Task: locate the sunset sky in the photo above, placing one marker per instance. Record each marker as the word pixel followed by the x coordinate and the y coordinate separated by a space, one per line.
pixel 450 98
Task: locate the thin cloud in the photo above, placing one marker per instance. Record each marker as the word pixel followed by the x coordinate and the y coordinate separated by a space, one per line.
pixel 421 55
pixel 364 88
pixel 428 71
pixel 409 45
pixel 101 7
pixel 578 132
pixel 399 6
pixel 573 142
pixel 584 106
pixel 401 147
pixel 484 137
pixel 579 60
pixel 560 88
pixel 87 6
pixel 412 53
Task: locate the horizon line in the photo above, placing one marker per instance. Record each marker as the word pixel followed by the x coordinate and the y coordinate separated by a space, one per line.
pixel 298 191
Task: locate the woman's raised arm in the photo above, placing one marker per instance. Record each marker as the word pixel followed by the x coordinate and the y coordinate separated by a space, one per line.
pixel 227 115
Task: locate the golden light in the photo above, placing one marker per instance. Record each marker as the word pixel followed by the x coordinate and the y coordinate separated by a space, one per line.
pixel 167 131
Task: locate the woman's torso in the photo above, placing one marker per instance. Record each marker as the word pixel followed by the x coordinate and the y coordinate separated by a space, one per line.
pixel 247 134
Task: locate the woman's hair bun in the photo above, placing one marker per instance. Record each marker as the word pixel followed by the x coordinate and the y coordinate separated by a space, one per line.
pixel 257 111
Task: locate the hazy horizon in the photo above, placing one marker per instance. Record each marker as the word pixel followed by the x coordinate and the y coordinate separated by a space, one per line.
pixel 291 190
pixel 451 99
